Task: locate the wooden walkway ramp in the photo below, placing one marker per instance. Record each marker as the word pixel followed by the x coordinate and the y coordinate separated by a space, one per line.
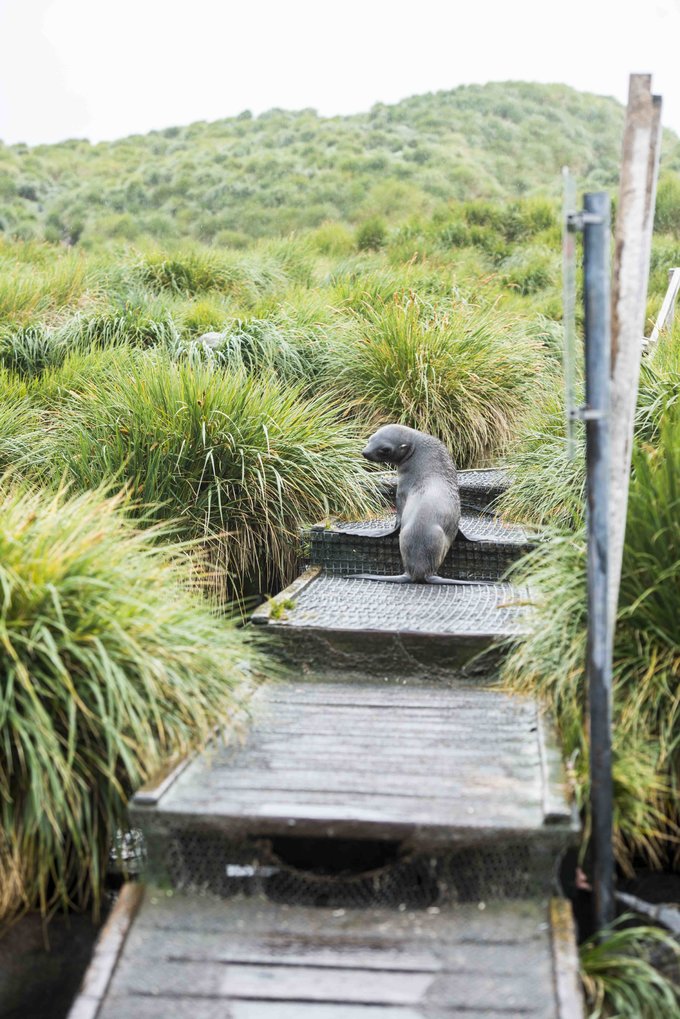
pixel 383 837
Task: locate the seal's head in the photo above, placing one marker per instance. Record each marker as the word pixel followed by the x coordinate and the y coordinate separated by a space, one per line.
pixel 391 444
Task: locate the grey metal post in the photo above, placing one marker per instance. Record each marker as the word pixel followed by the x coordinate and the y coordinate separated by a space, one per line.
pixel 596 229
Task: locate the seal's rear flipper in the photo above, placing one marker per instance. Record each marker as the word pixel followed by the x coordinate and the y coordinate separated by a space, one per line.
pixel 401 578
pixel 434 579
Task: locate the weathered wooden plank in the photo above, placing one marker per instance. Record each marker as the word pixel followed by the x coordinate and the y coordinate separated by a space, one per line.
pixel 523 763
pixel 163 1007
pixel 106 953
pixel 440 812
pixel 368 690
pixel 345 784
pixel 565 960
pixel 272 983
pixel 444 743
pixel 499 923
pixel 466 782
pixel 353 768
pixel 245 948
pixel 187 954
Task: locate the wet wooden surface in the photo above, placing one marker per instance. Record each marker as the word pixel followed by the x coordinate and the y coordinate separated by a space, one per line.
pixel 374 759
pixel 204 958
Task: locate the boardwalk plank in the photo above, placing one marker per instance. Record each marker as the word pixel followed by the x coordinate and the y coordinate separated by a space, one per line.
pixel 442 761
pixel 190 956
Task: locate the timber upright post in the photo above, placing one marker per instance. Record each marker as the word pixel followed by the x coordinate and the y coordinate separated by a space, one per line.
pixel 596 256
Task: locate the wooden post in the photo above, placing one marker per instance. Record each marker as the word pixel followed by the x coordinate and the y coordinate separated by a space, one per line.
pixel 634 224
pixel 667 313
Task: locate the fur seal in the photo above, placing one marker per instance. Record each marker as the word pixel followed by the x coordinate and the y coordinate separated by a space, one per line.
pixel 428 501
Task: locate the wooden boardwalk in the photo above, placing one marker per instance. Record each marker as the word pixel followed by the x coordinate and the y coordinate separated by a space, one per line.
pixel 360 759
pixel 192 957
pixel 381 839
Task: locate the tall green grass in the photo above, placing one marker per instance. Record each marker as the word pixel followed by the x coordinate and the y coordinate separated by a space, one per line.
pixel 20 427
pixel 110 664
pixel 547 486
pixel 461 373
pixel 620 979
pixel 39 286
pixel 550 661
pixel 234 460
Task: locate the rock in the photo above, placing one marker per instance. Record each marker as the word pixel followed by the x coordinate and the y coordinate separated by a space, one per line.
pixel 211 339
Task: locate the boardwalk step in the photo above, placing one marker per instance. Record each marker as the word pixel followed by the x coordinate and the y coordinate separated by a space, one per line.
pixel 479 489
pixel 470 775
pixel 325 620
pixel 188 957
pixel 484 549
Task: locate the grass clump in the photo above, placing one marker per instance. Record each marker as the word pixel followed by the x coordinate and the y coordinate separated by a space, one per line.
pixel 20 426
pixel 461 374
pixel 550 661
pixel 620 979
pixel 246 277
pixel 110 664
pixel 237 461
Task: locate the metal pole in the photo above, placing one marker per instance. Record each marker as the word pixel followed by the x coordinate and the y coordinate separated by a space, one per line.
pixel 596 228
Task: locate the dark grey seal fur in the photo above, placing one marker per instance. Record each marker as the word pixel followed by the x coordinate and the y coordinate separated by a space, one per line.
pixel 428 501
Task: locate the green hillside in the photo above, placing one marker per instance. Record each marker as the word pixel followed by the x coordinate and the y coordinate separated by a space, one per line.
pixel 245 177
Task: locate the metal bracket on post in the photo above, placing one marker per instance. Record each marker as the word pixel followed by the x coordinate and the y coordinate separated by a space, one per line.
pixel 586 414
pixel 578 221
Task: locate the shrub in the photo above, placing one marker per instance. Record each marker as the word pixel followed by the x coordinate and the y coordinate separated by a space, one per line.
pixel 31 350
pixel 188 272
pixel 462 375
pixel 135 321
pixel 245 277
pixel 667 209
pixel 372 235
pixel 332 239
pixel 204 315
pixel 531 270
pixel 110 664
pixel 236 461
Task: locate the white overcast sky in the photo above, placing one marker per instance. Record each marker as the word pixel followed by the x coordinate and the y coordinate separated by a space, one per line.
pixel 103 69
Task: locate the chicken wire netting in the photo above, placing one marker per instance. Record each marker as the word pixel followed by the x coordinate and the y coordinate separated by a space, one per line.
pixel 348 873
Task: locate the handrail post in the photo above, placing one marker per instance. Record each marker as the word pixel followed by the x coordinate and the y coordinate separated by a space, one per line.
pixel 596 229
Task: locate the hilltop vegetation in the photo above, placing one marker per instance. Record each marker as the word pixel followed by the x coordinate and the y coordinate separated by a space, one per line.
pixel 241 178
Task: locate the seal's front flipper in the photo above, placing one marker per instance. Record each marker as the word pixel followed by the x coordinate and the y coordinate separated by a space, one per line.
pixel 374 529
pixel 401 578
pixel 454 583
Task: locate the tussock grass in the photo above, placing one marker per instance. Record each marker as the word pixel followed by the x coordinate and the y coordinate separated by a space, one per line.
pixel 110 664
pixel 20 427
pixel 550 661
pixel 237 461
pixel 619 978
pixel 245 277
pixel 548 487
pixel 260 345
pixel 29 291
pixel 463 374
pixel 532 270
